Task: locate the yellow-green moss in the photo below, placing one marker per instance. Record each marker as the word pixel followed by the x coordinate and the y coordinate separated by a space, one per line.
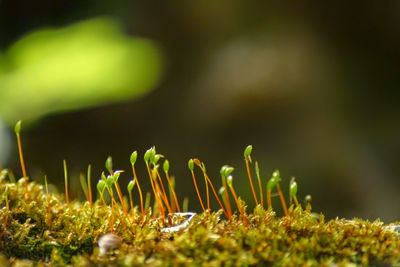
pixel 40 228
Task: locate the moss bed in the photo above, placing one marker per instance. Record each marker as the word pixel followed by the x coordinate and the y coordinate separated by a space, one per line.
pixel 38 229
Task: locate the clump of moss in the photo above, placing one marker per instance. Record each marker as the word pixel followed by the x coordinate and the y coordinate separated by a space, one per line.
pixel 49 230
pixel 69 236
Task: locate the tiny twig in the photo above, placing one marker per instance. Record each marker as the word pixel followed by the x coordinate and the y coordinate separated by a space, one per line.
pixel 181 226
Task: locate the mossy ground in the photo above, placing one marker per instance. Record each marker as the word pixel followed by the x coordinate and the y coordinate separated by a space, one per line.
pixel 38 229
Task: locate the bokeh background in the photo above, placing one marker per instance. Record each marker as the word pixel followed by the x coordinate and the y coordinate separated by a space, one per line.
pixel 313 86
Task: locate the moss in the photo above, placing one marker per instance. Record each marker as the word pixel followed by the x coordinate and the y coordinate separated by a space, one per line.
pixel 299 238
pixel 41 228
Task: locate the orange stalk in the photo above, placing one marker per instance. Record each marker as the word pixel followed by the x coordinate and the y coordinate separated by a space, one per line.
pixel 113 201
pixel 197 191
pixel 21 155
pixel 164 193
pixel 245 220
pixel 236 199
pixel 139 189
pixel 227 199
pixel 251 181
pixel 172 200
pixel 216 195
pixel 121 199
pixel 207 194
pixel 165 200
pixel 157 197
pixel 161 209
pixel 173 191
pixel 285 210
pixel 202 167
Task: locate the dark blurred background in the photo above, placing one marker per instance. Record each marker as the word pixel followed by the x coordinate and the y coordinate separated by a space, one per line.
pixel 313 86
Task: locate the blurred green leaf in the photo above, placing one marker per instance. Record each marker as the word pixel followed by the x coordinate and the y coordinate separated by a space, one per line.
pixel 86 64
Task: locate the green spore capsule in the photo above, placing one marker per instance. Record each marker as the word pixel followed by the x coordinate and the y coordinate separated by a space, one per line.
pixel 166 166
pixel 229 181
pixel 133 157
pixel 226 170
pixel 191 165
pixel 100 186
pixel 247 151
pixel 131 185
pixel 109 164
pixel 293 188
pixel 17 128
